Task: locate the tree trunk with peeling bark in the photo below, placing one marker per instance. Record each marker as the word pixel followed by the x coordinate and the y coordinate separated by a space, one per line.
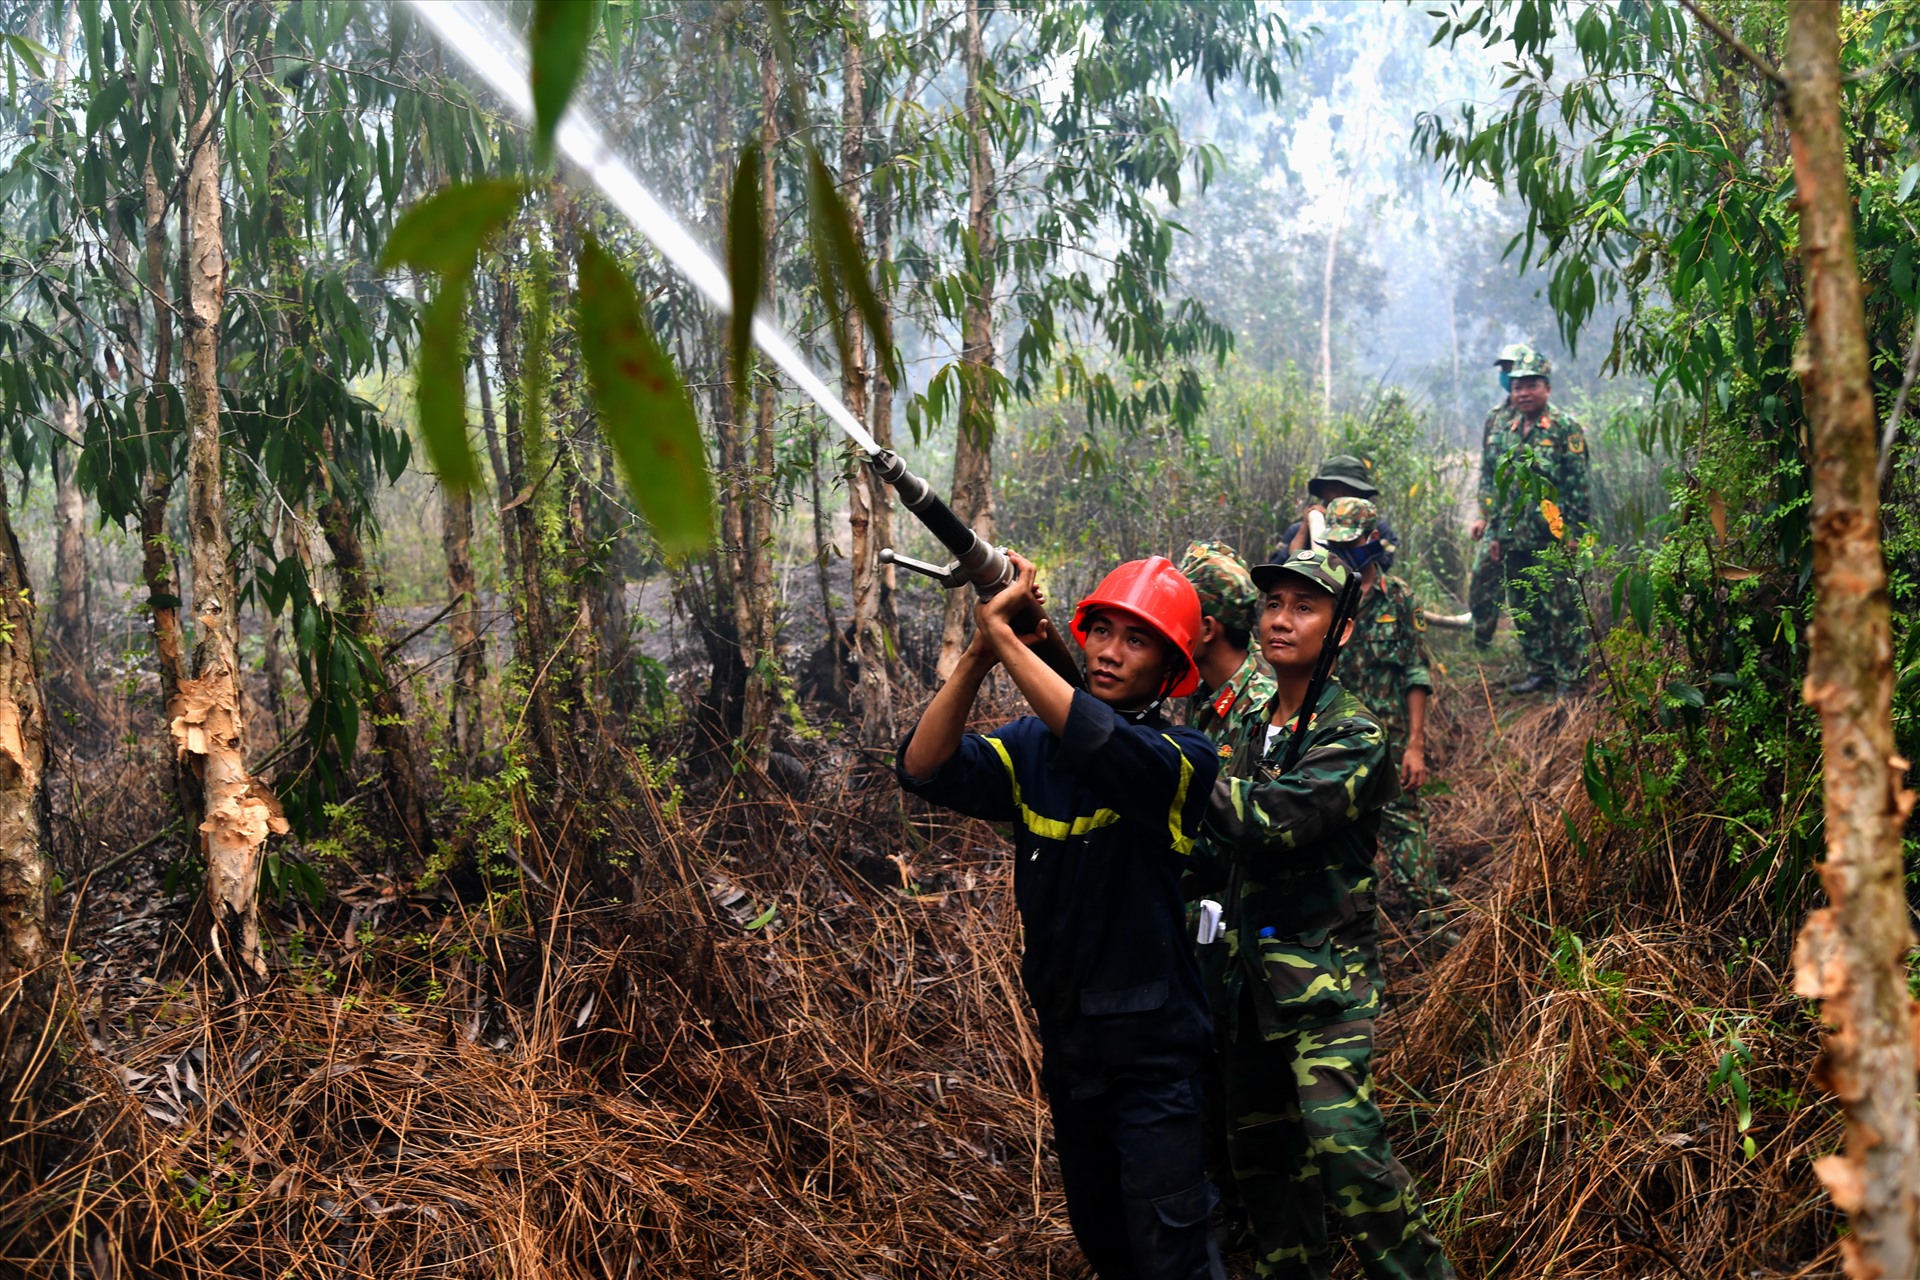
pixel 68 633
pixel 205 714
pixel 866 496
pixel 610 589
pixel 972 498
pixel 400 771
pixel 496 457
pixel 759 641
pixel 527 450
pixel 823 554
pixel 156 548
pixel 26 947
pixel 1851 955
pixel 71 612
pixel 463 625
pixel 886 607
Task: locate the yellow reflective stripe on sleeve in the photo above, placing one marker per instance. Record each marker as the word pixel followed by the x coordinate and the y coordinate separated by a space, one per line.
pixel 1000 749
pixel 1182 842
pixel 1053 828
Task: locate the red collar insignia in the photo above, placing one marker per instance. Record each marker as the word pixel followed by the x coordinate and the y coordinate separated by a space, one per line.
pixel 1224 702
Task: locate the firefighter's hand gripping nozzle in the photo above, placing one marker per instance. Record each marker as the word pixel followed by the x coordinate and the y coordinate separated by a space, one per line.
pixel 977 563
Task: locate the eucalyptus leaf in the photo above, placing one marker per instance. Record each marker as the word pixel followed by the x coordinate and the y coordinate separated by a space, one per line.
pixel 746 256
pixel 558 41
pixel 835 225
pixel 643 406
pixel 446 231
pixel 442 389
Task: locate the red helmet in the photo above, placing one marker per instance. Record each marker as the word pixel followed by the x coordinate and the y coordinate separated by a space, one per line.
pixel 1158 594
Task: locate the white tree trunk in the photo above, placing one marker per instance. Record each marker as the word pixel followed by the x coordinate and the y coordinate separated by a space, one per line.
pixel 206 720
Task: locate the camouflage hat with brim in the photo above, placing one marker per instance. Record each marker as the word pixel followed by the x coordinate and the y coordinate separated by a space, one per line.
pixel 1532 365
pixel 1223 582
pixel 1320 568
pixel 1344 468
pixel 1513 353
pixel 1351 520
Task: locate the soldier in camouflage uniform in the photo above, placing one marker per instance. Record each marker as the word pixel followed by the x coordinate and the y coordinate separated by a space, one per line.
pixel 1486 589
pixel 1549 449
pixel 1231 675
pixel 1298 982
pixel 1385 666
pixel 1341 476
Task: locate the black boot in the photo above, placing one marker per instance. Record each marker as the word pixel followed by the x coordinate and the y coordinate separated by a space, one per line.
pixel 1532 684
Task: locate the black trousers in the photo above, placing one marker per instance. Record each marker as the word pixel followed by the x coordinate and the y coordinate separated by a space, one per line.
pixel 1133 1158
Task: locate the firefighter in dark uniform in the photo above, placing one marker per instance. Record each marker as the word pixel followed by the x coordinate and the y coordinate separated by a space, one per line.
pixel 1105 798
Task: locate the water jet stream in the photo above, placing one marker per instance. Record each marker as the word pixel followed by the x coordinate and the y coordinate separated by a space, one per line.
pixel 499 57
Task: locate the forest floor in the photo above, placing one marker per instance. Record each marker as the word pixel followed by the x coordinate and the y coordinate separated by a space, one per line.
pixel 789 1040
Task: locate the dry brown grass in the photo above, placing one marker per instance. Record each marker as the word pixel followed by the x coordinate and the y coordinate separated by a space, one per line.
pixel 1551 1078
pixel 647 1089
pixel 654 1089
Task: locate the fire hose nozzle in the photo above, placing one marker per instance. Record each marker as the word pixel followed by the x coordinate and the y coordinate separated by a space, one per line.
pixel 948 575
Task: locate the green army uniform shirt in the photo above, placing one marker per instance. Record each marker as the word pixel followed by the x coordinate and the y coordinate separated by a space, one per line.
pixel 1305 930
pixel 1558 446
pixel 1387 657
pixel 1214 711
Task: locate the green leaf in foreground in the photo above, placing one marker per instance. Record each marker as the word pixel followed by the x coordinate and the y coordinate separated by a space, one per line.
pixel 746 256
pixel 442 395
pixel 445 232
pixel 832 222
pixel 643 406
pixel 559 37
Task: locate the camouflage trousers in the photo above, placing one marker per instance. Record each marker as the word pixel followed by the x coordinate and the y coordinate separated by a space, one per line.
pixel 1486 593
pixel 1547 612
pixel 1403 834
pixel 1307 1147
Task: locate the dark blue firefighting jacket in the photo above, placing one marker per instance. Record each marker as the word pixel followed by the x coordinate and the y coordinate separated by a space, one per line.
pixel 1104 817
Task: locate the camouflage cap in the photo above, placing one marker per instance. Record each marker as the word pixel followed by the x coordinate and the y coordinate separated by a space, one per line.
pixel 1344 468
pixel 1224 585
pixel 1513 353
pixel 1321 568
pixel 1351 520
pixel 1533 365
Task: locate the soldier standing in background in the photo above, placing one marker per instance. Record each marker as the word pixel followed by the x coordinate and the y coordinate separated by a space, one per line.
pixel 1544 446
pixel 1341 476
pixel 1384 665
pixel 1485 587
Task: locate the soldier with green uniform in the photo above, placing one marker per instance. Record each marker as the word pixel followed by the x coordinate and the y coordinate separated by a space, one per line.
pixel 1231 675
pixel 1385 665
pixel 1548 451
pixel 1296 984
pixel 1233 679
pixel 1485 587
pixel 1341 476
